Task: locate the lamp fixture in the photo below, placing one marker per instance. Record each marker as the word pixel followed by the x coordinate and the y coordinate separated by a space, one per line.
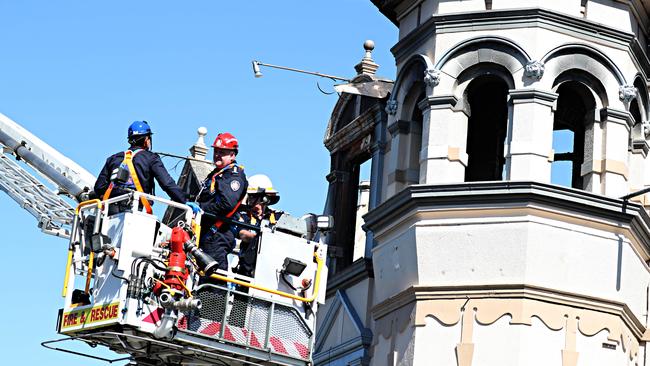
pixel 258 72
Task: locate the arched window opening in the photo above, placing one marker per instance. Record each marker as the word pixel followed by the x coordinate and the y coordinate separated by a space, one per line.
pixel 406 133
pixel 487 96
pixel 350 140
pixel 575 107
pixel 414 113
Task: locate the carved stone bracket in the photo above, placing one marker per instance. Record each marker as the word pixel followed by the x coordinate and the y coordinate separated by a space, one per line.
pixel 627 92
pixel 534 70
pixel 432 77
pixel 391 107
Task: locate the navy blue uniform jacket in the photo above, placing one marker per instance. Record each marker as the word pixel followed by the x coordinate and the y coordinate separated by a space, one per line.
pixel 147 166
pixel 229 188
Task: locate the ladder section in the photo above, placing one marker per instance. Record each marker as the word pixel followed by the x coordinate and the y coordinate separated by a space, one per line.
pixel 53 213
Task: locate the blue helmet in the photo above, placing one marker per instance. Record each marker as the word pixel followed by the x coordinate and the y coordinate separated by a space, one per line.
pixel 139 128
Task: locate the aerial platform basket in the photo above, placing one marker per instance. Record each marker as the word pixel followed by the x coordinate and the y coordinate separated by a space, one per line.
pixel 126 301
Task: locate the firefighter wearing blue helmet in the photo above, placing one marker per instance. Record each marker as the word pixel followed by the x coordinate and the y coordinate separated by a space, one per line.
pixel 143 166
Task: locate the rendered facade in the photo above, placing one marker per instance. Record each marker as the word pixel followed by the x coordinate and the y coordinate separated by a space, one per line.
pixel 495 233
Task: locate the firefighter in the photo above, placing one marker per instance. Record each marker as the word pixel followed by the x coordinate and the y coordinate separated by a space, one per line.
pixel 142 166
pixel 260 195
pixel 222 192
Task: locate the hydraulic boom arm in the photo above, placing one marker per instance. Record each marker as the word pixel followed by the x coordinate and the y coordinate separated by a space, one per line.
pixel 54 214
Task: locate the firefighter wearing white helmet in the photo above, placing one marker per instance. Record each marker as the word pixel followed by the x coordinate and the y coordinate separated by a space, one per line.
pixel 260 195
pixel 260 185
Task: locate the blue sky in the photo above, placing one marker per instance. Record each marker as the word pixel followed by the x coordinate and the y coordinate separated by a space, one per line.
pixel 76 73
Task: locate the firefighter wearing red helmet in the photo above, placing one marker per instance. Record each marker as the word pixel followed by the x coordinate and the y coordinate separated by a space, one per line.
pixel 221 195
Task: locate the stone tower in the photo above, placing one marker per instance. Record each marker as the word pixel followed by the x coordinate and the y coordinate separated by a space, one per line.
pixel 495 234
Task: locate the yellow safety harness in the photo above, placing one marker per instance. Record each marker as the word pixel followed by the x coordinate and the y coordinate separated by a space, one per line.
pixel 128 160
pixel 272 219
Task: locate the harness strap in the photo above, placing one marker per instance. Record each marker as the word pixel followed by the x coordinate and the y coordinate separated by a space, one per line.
pixel 108 192
pixel 219 223
pixel 128 160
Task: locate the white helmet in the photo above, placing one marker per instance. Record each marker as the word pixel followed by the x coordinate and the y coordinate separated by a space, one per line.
pixel 261 184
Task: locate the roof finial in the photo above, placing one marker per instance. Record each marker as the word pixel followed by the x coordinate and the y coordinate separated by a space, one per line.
pixel 200 150
pixel 367 65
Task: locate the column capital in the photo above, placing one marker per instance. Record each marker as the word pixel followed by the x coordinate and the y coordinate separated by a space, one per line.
pixel 532 96
pixel 399 127
pixel 616 116
pixel 337 176
pixel 438 102
pixel 404 127
pixel 378 147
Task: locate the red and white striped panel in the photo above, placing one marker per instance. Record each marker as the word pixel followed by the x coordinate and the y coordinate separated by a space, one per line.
pixel 288 347
pixel 239 335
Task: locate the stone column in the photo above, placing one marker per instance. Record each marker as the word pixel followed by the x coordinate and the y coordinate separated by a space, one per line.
pixel 404 135
pixel 444 141
pixel 591 172
pixel 529 141
pixel 638 161
pixel 617 125
pixel 378 151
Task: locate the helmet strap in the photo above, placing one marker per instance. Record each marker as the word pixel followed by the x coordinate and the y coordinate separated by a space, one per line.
pixel 140 141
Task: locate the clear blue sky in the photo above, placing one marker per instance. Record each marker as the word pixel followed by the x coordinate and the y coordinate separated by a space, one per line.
pixel 76 73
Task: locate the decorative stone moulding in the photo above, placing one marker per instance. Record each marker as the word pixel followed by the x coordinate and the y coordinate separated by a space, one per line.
pixel 573 321
pixel 627 92
pixel 534 70
pixel 432 77
pixel 645 126
pixel 391 107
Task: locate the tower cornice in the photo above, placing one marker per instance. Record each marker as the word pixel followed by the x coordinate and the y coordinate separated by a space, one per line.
pixel 522 18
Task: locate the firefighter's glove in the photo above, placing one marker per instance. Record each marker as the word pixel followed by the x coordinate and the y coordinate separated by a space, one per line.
pixel 195 207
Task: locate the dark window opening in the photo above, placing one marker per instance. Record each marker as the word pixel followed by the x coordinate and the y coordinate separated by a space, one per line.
pixel 635 112
pixel 346 213
pixel 348 191
pixel 349 112
pixel 574 106
pixel 486 130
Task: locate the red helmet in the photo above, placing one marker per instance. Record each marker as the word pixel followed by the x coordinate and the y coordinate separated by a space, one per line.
pixel 226 141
